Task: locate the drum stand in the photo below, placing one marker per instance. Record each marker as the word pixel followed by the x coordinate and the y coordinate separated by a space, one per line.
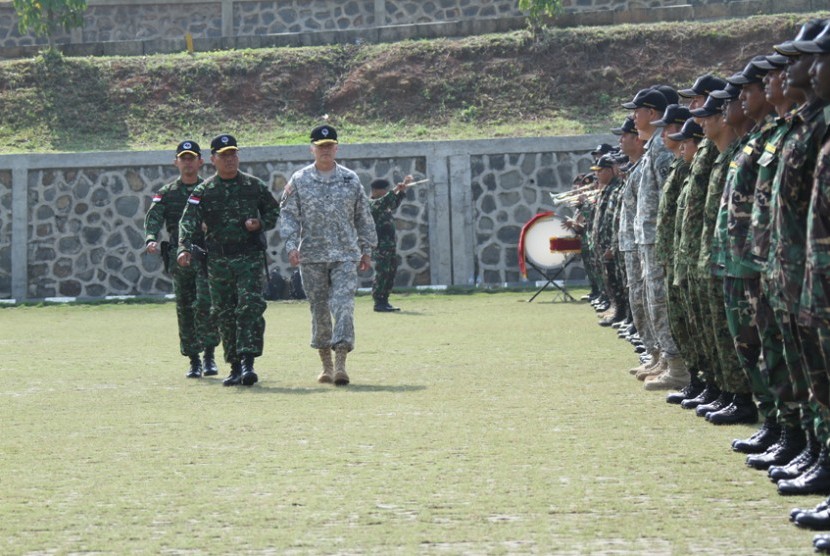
pixel 551 275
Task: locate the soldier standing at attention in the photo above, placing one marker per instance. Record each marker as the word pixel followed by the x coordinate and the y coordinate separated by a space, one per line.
pixel 197 330
pixel 235 209
pixel 385 256
pixel 329 232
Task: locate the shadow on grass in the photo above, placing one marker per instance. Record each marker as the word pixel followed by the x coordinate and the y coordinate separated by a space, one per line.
pixel 263 389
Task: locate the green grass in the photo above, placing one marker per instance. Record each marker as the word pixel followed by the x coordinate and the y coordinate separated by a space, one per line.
pixel 476 424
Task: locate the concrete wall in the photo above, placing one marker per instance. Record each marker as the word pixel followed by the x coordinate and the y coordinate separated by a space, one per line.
pixel 72 224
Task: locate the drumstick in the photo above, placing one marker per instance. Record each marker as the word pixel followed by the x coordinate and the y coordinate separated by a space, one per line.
pixel 417 182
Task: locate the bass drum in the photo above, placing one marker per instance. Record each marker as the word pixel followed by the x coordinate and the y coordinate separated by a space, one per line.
pixel 539 237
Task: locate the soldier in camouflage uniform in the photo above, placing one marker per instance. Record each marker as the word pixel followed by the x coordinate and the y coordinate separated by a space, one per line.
pixel 234 209
pixel 603 232
pixel 383 204
pixel 690 207
pixel 197 330
pixel 329 232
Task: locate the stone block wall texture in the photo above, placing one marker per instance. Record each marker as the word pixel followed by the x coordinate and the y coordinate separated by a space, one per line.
pixel 85 236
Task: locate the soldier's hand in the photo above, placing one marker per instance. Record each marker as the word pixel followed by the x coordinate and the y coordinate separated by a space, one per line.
pixel 294 257
pixel 184 258
pixel 153 247
pixel 365 263
pixel 252 224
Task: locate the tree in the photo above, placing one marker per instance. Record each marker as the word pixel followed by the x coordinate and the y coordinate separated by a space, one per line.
pixel 538 11
pixel 46 17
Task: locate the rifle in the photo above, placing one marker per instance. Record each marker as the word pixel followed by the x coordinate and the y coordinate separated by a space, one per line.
pixel 164 248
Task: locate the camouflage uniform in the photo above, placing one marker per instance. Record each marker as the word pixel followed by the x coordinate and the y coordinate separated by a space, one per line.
pixel 235 257
pixel 734 221
pixel 327 219
pixel 690 207
pixel 384 255
pixel 790 200
pixel 585 209
pixel 656 162
pixel 633 266
pixel 603 234
pixel 197 329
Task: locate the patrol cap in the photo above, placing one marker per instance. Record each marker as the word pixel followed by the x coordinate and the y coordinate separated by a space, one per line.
pixel 752 73
pixel 674 114
pixel 626 127
pixel 647 98
pixel 711 107
pixel 808 32
pixel 819 45
pixel 773 62
pixel 601 149
pixel 605 161
pixel 379 184
pixel 621 158
pixel 188 147
pixel 731 92
pixel 223 143
pixel 323 135
pixel 704 85
pixel 669 92
pixel 690 130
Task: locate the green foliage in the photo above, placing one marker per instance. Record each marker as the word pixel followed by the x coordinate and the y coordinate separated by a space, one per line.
pixel 45 17
pixel 539 10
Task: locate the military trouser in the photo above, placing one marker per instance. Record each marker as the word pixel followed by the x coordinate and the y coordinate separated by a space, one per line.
pixel 788 327
pixel 772 346
pixel 197 328
pixel 733 376
pixel 236 284
pixel 697 330
pixel 588 265
pixel 658 313
pixel 698 292
pixel 613 288
pixel 636 299
pixel 386 265
pixel 680 324
pixel 331 288
pixel 740 319
pixel 815 370
pixel 622 280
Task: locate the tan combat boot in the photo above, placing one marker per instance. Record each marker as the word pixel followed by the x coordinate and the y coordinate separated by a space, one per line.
pixel 340 376
pixel 327 376
pixel 655 358
pixel 654 370
pixel 676 376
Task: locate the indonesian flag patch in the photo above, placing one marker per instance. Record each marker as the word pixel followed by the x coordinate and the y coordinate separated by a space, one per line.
pixel 193 200
pixel 156 198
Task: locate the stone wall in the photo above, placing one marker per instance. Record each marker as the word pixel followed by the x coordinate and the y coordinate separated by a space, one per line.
pixel 72 225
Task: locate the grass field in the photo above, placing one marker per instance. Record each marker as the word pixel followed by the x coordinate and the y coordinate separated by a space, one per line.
pixel 475 424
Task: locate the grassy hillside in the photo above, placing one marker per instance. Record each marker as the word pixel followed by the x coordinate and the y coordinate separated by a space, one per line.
pixel 569 81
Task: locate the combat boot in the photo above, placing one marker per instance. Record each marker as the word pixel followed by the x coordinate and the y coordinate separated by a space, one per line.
pixel 676 376
pixel 795 512
pixel 709 394
pixel 790 443
pixel 327 376
pixel 723 400
pixel 815 480
pixel 817 520
pixel 822 543
pixel 655 370
pixel 248 377
pixel 195 370
pixel 653 359
pixel 761 440
pixel 235 378
pixel 340 376
pixel 799 464
pixel 209 362
pixel 741 410
pixel 694 388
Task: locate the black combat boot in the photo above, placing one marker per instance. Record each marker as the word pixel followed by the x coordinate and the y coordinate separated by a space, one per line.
pixel 709 394
pixel 758 443
pixel 799 464
pixel 235 378
pixel 742 410
pixel 195 367
pixel 822 543
pixel 790 443
pixel 249 377
pixel 795 512
pixel 694 389
pixel 721 402
pixel 815 480
pixel 209 362
pixel 817 519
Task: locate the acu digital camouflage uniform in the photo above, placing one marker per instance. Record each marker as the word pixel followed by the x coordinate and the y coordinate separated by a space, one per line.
pixel 197 329
pixel 235 256
pixel 385 254
pixel 327 219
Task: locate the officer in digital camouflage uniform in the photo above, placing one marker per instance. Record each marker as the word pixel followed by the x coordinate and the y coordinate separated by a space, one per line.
pixel 383 204
pixel 687 250
pixel 329 232
pixel 197 330
pixel 234 209
pixel 789 200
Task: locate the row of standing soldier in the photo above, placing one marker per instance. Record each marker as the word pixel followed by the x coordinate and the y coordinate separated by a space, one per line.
pixel 709 248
